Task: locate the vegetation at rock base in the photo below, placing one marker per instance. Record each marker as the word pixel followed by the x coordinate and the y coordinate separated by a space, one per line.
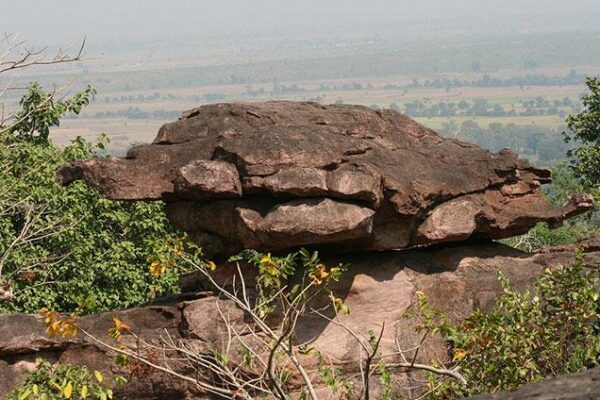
pixel 65 381
pixel 527 337
pixel 260 356
pixel 64 248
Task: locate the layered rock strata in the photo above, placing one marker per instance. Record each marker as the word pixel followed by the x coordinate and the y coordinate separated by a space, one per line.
pixel 279 175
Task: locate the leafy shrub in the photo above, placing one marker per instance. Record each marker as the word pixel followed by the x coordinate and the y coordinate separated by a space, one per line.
pixel 584 129
pixel 550 330
pixel 64 381
pixel 41 110
pixel 275 272
pixel 61 248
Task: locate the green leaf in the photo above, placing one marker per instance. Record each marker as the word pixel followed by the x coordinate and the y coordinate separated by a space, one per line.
pixel 26 394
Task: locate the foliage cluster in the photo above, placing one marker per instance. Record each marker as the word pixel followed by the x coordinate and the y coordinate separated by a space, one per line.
pixel 528 336
pixel 63 248
pixel 65 381
pixel 41 110
pixel 584 128
pixel 274 273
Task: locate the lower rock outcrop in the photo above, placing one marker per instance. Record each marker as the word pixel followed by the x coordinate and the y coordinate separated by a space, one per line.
pixel 378 287
pixel 582 386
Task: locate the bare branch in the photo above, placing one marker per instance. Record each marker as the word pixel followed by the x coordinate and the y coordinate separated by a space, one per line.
pixel 29 57
pixel 268 345
pixel 438 371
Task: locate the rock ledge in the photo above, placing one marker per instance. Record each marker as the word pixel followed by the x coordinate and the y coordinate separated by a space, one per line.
pixel 278 175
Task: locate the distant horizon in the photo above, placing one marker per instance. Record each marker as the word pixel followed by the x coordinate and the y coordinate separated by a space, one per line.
pixel 133 20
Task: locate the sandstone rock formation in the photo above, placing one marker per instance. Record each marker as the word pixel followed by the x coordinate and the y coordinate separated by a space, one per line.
pixel 278 175
pixel 581 386
pixel 379 287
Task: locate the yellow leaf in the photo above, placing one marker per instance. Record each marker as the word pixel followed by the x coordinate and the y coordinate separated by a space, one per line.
pixel 266 259
pixel 177 249
pixel 118 323
pixel 68 391
pixel 99 376
pixel 269 266
pixel 50 316
pixel 459 354
pixel 322 271
pixel 314 279
pixel 53 328
pixel 335 272
pixel 157 269
pixel 84 392
pixel 211 265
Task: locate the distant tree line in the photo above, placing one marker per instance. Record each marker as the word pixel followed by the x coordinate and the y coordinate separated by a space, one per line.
pixel 483 108
pixel 541 144
pixel 131 113
pixel 140 98
pixel 573 78
pixel 157 97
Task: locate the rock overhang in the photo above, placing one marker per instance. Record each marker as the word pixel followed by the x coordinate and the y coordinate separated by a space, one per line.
pixel 274 176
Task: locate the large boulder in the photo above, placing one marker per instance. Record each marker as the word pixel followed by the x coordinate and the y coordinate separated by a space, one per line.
pixel 278 175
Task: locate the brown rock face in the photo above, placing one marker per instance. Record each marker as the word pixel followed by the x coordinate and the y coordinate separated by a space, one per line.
pixel 279 175
pixel 378 287
pixel 582 386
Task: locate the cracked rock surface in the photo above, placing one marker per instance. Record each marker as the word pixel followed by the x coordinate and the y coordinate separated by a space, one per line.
pixel 278 175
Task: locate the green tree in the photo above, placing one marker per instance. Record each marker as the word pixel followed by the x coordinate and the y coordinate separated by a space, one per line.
pixel 41 110
pixel 65 247
pixel 584 130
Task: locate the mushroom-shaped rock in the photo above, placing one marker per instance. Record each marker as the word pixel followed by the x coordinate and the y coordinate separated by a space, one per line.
pixel 278 175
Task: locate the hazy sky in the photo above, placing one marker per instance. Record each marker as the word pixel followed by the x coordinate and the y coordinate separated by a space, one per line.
pixel 109 19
